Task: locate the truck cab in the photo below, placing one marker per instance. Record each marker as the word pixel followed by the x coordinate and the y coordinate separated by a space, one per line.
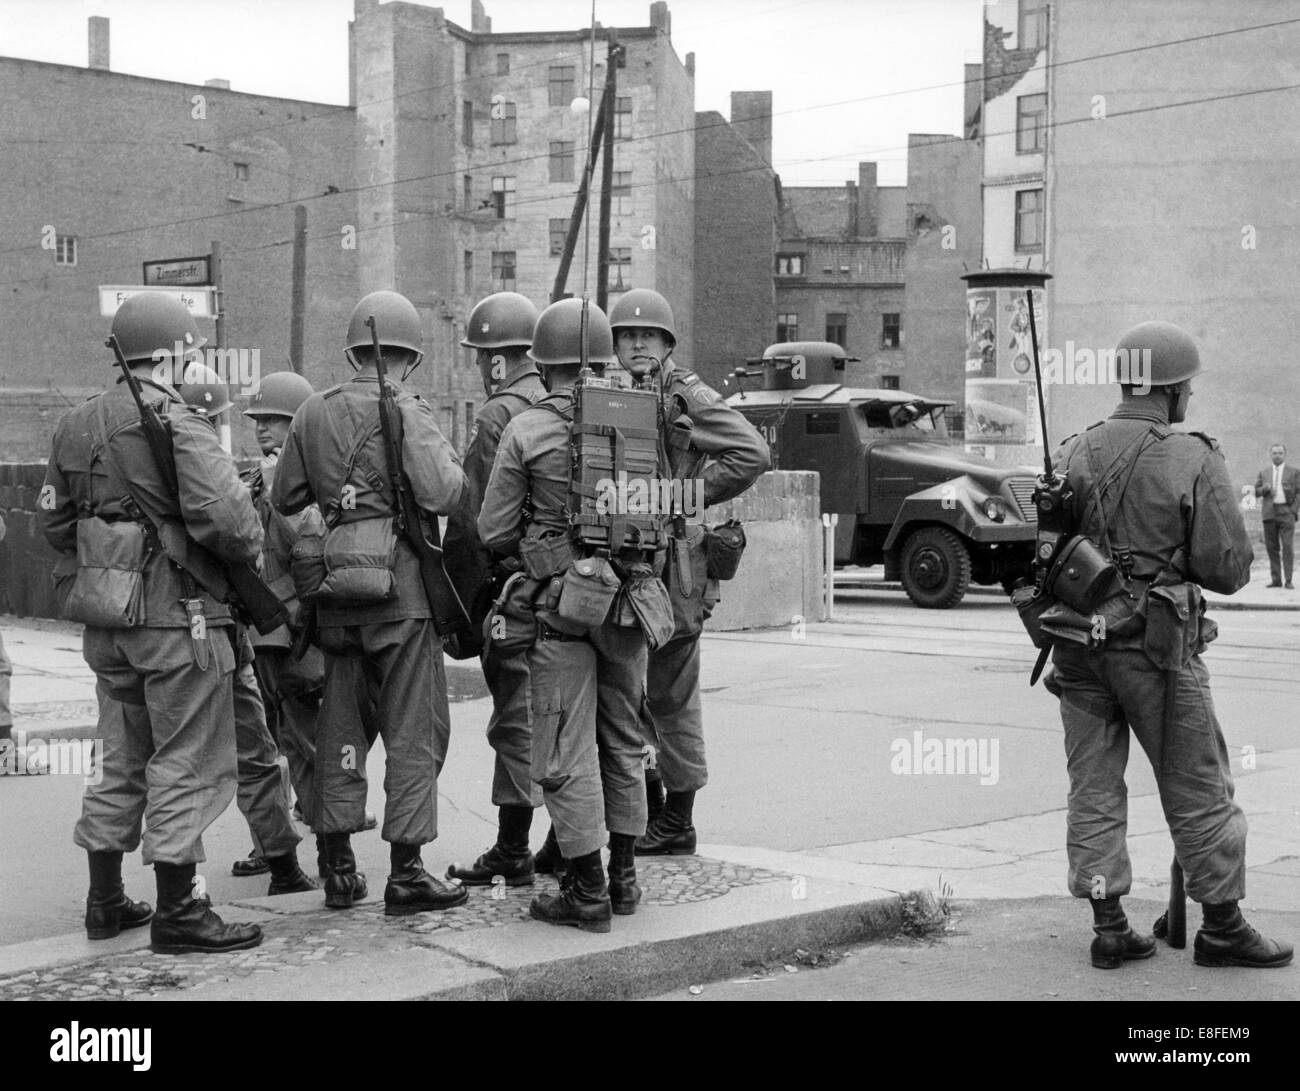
pixel 907 496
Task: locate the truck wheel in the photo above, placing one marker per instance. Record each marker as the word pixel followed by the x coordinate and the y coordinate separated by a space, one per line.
pixel 935 568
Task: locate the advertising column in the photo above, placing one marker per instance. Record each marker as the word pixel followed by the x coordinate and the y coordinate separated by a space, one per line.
pixel 1001 400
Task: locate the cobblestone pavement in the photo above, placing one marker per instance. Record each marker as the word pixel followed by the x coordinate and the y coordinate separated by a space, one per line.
pixel 305 938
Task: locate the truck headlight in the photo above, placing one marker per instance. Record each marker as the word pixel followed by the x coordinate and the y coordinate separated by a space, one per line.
pixel 995 509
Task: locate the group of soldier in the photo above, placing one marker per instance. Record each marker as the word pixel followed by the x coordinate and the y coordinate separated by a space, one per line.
pixel 601 722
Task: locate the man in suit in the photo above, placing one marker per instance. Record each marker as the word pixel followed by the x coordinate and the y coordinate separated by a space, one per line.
pixel 1279 485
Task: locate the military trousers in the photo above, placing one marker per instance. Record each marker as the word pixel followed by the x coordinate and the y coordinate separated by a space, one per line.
pixel 261 794
pixel 386 677
pixel 1106 695
pixel 507 732
pixel 168 737
pixel 293 690
pixel 676 721
pixel 585 702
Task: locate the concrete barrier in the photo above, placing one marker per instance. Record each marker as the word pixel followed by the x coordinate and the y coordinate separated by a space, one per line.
pixel 780 577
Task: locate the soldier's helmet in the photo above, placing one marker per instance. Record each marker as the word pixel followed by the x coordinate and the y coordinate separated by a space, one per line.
pixel 202 388
pixel 149 322
pixel 396 319
pixel 643 308
pixel 501 320
pixel 1157 353
pixel 279 395
pixel 557 339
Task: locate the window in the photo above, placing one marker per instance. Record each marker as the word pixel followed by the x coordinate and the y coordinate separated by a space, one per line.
pixel 503 270
pixel 837 329
pixel 469 270
pixel 1031 32
pixel 561 160
pixel 467 123
pixel 559 233
pixel 787 327
pixel 503 64
pixel 620 268
pixel 789 265
pixel 503 197
pixel 821 424
pixel 621 191
pixel 622 117
pixel 241 172
pixel 889 382
pixel 65 250
pixel 1031 124
pixel 891 331
pixel 1029 219
pixel 560 81
pixel 503 127
pixel 469 193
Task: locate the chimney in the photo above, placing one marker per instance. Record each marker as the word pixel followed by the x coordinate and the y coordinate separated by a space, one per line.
pixel 479 22
pixel 690 65
pixel 751 116
pixel 221 85
pixel 868 202
pixel 98 37
pixel 660 17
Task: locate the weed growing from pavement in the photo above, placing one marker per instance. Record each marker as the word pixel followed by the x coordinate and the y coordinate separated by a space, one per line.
pixel 926 914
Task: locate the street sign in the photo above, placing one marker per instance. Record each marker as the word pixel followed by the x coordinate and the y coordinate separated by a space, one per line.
pixel 199 301
pixel 178 272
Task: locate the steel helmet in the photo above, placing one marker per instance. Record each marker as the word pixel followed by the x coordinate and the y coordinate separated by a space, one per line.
pixel 557 338
pixel 279 395
pixel 395 318
pixel 202 388
pixel 149 322
pixel 1173 356
pixel 501 320
pixel 643 307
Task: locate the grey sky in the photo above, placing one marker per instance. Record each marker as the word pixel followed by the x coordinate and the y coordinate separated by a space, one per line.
pixel 836 67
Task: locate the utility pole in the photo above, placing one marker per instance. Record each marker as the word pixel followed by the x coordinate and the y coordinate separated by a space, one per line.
pixel 608 103
pixel 298 299
pixel 217 293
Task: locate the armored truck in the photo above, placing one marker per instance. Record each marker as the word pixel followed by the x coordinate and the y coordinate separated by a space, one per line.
pixel 907 496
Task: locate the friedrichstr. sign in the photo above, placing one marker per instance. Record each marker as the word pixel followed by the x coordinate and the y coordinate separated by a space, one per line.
pixel 199 301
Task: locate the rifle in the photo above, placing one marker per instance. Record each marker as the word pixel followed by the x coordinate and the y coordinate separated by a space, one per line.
pixel 237 585
pixel 413 523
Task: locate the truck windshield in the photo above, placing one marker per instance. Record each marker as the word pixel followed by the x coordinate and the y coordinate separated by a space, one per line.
pixel 902 416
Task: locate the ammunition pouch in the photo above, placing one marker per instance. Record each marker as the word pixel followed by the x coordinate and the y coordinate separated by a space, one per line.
pixel 1082 576
pixel 510 627
pixel 548 554
pixel 108 592
pixel 646 599
pixel 307 566
pixel 1176 626
pixel 587 594
pixel 359 560
pixel 724 545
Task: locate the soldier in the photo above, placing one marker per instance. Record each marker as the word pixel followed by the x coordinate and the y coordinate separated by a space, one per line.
pixel 1167 513
pixel 590 685
pixel 291 687
pixel 260 795
pixel 383 658
pixel 161 646
pixel 727 454
pixel 500 330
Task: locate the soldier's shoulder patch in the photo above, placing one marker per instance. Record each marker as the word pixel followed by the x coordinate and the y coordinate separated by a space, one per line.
pixel 704 395
pixel 1208 440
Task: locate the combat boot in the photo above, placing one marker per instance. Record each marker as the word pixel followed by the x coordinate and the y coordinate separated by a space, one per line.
pixel 108 909
pixel 624 891
pixel 509 857
pixel 345 884
pixel 286 876
pixel 1225 939
pixel 583 900
pixel 654 796
pixel 185 923
pixel 548 860
pixel 411 889
pixel 672 833
pixel 1115 942
pixel 322 857
pixel 251 865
